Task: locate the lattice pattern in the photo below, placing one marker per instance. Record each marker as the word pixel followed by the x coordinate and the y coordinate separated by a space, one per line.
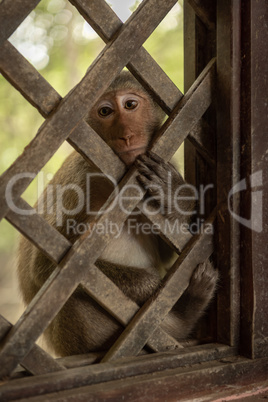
pixel 123 48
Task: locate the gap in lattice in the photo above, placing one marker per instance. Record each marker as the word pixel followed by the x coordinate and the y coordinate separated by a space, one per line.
pixel 19 122
pixel 11 306
pixel 35 189
pixel 59 43
pixel 169 31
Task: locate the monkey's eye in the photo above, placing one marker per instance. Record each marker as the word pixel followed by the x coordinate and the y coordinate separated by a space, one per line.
pixel 131 104
pixel 105 111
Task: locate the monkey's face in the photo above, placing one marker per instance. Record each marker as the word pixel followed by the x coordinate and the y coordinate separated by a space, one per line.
pixel 126 120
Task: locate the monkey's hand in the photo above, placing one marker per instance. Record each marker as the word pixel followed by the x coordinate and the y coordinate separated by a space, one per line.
pixel 165 186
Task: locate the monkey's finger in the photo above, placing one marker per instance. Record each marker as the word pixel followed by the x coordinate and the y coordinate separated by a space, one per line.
pixel 162 170
pixel 153 189
pixel 160 160
pixel 144 181
pixel 143 169
pixel 148 171
pixel 149 177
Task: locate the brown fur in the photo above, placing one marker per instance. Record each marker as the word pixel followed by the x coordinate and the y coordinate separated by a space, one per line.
pixel 135 263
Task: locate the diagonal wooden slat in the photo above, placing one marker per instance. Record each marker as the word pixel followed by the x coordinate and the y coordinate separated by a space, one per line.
pixel 20 73
pixel 37 361
pixel 186 115
pixel 106 23
pixel 169 230
pixel 30 326
pixel 153 312
pixel 12 13
pixel 111 298
pixel 39 232
pixel 206 11
pixel 199 137
pixel 100 16
pixel 26 79
pixel 23 76
pixel 54 245
pixel 92 147
pixel 110 62
pixel 4 327
pixel 51 298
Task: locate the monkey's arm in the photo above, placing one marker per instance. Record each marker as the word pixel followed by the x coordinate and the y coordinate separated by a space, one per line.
pixel 166 187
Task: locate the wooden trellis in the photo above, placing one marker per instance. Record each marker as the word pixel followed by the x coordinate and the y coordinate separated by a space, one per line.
pixel 190 116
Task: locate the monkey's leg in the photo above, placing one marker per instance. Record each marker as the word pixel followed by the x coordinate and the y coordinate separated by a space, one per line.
pixel 81 326
pixel 193 302
pixel 200 291
pixel 136 283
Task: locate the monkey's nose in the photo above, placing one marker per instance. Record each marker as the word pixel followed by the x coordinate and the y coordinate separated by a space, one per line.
pixel 126 138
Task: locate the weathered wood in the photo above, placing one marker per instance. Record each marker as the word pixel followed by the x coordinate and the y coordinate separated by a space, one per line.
pixel 111 298
pixel 190 52
pixel 38 231
pixel 25 78
pixel 132 340
pixel 37 361
pixel 161 341
pixel 92 147
pixel 200 145
pixel 106 23
pixel 100 16
pixel 64 280
pixel 206 11
pixel 184 117
pixel 85 359
pixel 40 362
pixel 43 308
pixel 100 75
pixel 228 167
pixel 254 205
pixel 98 373
pixel 157 83
pixel 201 137
pixel 170 231
pixel 158 342
pixel 175 384
pixel 4 327
pixel 10 20
pixel 91 358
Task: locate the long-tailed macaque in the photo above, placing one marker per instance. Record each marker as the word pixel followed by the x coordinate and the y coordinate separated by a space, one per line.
pixel 127 118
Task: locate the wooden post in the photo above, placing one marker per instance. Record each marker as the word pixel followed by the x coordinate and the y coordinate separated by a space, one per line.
pixel 254 157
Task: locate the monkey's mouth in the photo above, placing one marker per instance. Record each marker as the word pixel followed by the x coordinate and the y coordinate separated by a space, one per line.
pixel 135 150
pixel 129 155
